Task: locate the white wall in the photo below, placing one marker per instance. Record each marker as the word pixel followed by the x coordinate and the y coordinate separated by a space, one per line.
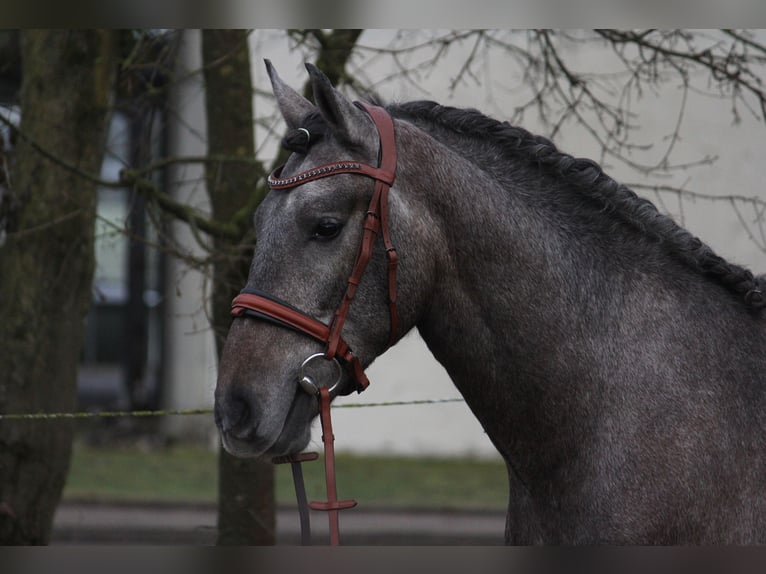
pixel 190 359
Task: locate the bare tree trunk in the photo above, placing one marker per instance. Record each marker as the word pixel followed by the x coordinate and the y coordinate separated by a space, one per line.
pixel 245 486
pixel 46 266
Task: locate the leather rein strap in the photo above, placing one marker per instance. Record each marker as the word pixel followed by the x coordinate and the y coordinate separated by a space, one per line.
pixel 251 302
pixel 332 505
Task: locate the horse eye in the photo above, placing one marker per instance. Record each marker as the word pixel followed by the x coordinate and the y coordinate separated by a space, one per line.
pixel 326 229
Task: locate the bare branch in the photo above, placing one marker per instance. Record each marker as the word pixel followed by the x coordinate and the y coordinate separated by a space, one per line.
pixel 203 159
pixel 131 179
pixel 747 41
pixel 89 177
pixel 728 68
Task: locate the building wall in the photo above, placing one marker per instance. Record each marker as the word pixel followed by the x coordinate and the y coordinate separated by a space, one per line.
pixel 190 364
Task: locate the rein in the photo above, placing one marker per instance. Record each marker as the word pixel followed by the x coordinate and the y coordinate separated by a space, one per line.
pixel 332 505
pixel 259 305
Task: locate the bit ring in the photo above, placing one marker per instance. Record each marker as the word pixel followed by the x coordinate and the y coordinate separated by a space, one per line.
pixel 307 382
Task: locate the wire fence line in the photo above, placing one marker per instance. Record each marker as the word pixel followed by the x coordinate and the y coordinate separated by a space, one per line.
pixel 188 412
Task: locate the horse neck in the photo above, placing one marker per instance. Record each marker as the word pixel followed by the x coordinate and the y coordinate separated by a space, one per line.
pixel 505 315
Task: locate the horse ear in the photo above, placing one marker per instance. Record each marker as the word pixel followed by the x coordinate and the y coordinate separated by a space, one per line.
pixel 348 122
pixel 293 106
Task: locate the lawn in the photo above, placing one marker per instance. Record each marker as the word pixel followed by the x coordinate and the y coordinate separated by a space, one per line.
pixel 186 474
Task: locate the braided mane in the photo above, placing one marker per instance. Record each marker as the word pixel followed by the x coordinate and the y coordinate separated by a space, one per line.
pixel 584 174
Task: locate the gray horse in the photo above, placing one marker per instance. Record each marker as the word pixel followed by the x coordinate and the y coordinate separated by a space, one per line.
pixel 616 362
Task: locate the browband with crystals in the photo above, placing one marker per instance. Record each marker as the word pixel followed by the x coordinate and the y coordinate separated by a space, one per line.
pixel 277 182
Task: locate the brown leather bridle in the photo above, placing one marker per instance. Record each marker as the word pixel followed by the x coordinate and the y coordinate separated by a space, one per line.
pixel 260 305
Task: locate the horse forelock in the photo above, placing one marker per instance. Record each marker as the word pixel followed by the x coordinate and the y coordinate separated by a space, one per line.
pixel 592 184
pixel 313 128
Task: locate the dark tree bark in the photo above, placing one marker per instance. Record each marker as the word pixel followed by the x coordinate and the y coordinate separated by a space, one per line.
pixel 336 48
pixel 46 266
pixel 245 486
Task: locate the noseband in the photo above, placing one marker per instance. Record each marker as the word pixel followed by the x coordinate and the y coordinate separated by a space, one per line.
pixel 260 305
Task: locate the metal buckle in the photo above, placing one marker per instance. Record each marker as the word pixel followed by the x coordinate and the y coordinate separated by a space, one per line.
pixel 307 382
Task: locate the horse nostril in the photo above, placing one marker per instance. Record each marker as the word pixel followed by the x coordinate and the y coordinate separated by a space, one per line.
pixel 232 412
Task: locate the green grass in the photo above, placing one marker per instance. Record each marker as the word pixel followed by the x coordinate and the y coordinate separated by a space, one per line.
pixel 185 474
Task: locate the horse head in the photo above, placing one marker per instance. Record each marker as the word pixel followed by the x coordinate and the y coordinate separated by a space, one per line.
pixel 327 205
